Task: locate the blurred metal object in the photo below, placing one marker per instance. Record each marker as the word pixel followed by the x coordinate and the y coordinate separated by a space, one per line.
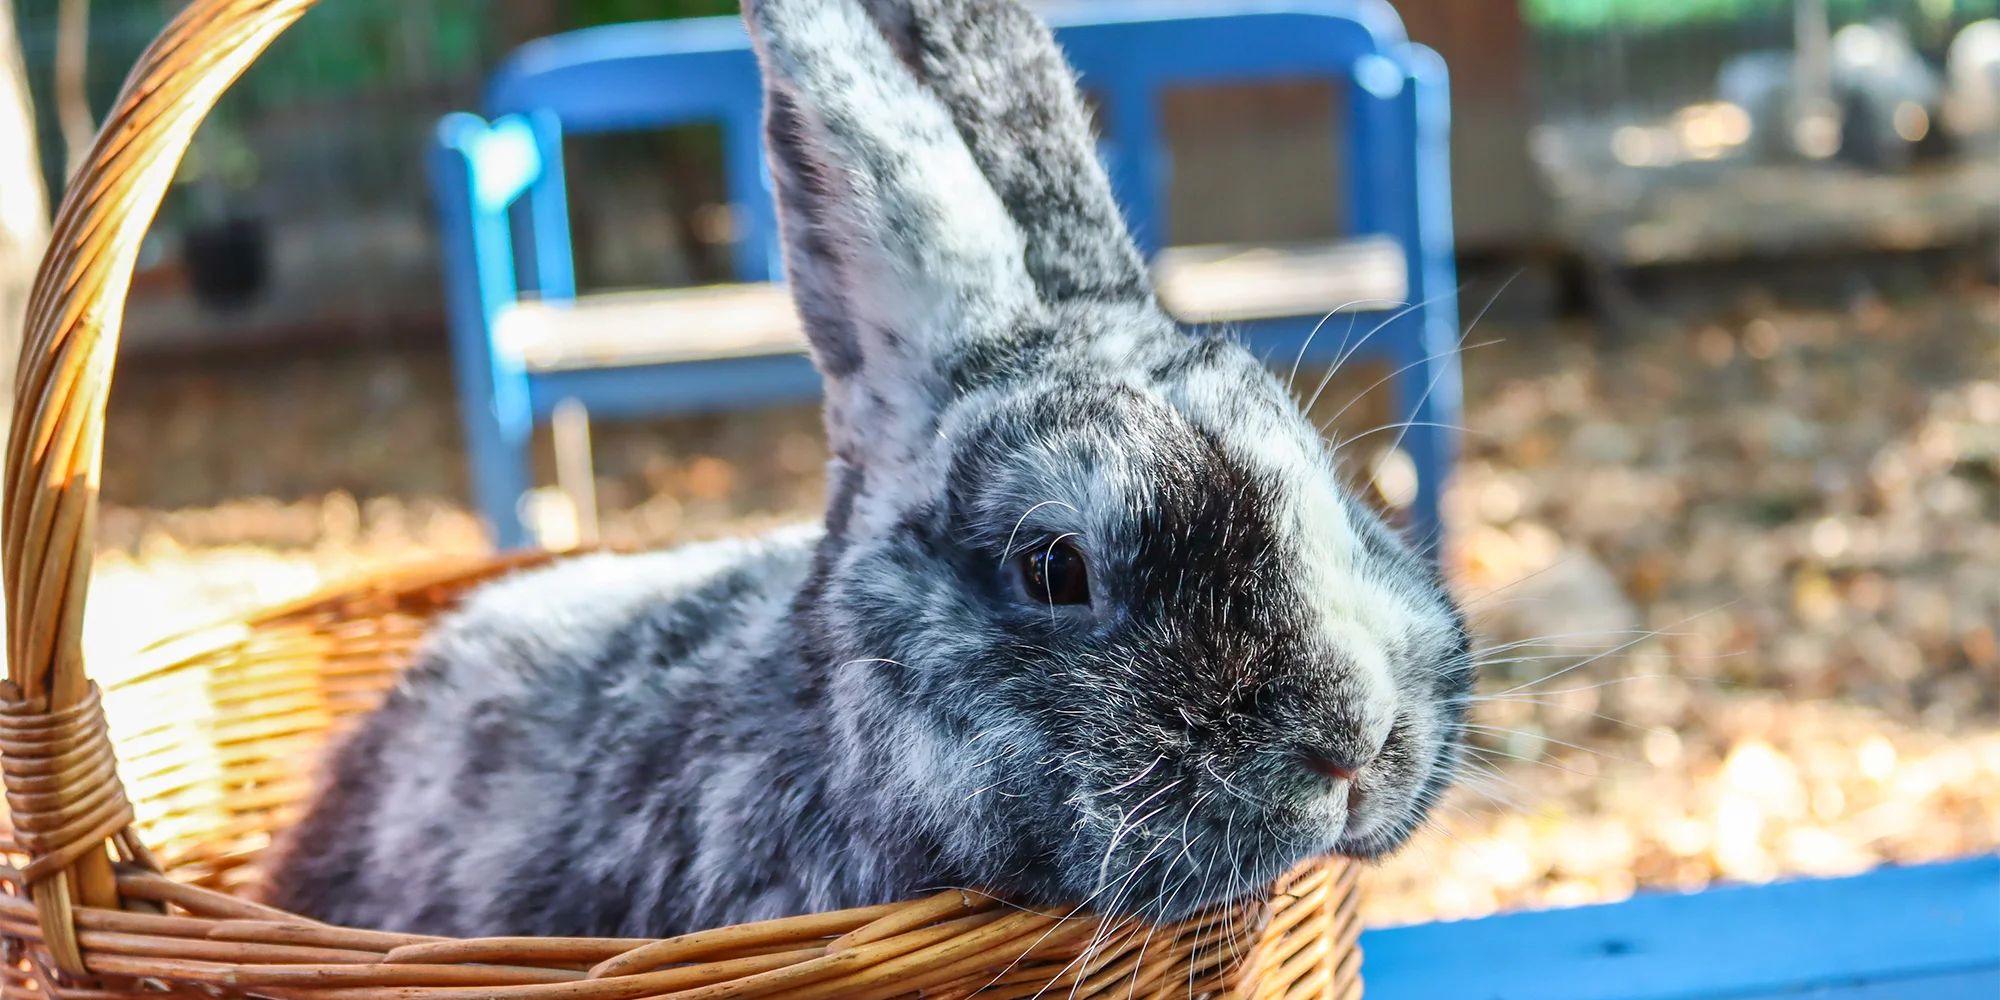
pixel 1764 85
pixel 228 261
pixel 1812 119
pixel 570 425
pixel 1972 72
pixel 1863 94
pixel 1889 96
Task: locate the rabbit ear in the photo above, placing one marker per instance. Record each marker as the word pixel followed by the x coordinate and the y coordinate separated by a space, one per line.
pixel 1014 100
pixel 901 257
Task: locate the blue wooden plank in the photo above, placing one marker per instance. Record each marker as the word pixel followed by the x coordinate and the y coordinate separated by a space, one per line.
pixel 719 385
pixel 1898 923
pixel 1979 984
pixel 733 383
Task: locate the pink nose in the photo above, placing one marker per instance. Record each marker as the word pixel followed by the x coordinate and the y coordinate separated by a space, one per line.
pixel 1326 764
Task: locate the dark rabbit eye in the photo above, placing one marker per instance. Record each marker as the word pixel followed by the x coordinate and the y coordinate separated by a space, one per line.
pixel 1055 574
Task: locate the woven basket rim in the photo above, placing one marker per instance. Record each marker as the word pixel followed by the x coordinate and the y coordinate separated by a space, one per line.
pixel 955 944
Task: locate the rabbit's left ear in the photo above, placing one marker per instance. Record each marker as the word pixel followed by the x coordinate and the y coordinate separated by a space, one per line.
pixel 995 66
pixel 903 260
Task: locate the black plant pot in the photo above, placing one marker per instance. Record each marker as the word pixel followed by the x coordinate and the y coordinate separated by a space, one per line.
pixel 228 262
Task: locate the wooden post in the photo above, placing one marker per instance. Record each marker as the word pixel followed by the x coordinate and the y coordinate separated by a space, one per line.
pixel 73 83
pixel 517 21
pixel 1815 119
pixel 24 204
pixel 1497 199
pixel 574 476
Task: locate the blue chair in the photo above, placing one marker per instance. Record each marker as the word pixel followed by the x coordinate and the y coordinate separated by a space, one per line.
pixel 524 341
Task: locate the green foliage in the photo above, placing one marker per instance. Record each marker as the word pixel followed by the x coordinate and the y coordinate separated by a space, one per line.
pixel 339 49
pixel 584 13
pixel 356 46
pixel 1595 15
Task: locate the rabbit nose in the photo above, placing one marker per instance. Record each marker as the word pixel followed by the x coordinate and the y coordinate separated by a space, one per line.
pixel 1335 764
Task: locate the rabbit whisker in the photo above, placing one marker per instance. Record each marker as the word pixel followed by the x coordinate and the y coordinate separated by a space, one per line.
pixel 1135 779
pixel 1544 702
pixel 1502 731
pixel 1292 379
pixel 1208 764
pixel 1642 637
pixel 1401 425
pixel 1486 752
pixel 1487 779
pixel 1007 552
pixel 1460 348
pixel 1378 383
pixel 1432 385
pixel 1124 829
pixel 1347 353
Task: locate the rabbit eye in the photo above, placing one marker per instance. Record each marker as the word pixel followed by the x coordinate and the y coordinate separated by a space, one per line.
pixel 1055 574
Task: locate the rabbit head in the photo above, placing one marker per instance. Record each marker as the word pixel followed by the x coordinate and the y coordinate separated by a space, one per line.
pixel 1098 621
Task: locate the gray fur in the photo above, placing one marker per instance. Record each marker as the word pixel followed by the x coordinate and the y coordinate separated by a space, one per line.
pixel 648 745
pixel 1015 102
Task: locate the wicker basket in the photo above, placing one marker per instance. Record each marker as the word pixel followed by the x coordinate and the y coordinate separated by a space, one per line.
pixel 218 730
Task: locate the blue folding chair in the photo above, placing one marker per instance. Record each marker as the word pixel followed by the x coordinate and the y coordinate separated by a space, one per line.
pixel 524 341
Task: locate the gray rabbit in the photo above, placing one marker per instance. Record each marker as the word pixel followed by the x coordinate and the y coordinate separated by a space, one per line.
pixel 1090 618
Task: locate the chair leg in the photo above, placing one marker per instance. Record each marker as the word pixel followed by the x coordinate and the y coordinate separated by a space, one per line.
pixel 1428 391
pixel 479 282
pixel 498 449
pixel 1427 399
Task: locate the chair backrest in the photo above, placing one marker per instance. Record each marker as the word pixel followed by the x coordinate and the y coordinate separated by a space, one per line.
pixel 667 73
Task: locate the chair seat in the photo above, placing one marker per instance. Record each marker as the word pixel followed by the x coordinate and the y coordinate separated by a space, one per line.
pixel 1235 284
pixel 1199 284
pixel 655 327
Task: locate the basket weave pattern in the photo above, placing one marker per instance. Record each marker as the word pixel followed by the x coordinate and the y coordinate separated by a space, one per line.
pixel 217 733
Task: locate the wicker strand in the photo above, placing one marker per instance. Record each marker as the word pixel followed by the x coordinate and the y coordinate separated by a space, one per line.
pixel 63 792
pixel 61 779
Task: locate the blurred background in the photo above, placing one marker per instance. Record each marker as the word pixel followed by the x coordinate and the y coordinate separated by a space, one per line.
pixel 1732 439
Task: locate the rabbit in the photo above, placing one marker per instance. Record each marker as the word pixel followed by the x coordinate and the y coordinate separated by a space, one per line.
pixel 1090 619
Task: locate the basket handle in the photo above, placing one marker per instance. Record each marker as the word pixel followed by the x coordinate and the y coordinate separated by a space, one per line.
pixel 63 796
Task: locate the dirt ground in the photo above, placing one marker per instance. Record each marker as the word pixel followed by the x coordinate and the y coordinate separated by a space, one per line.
pixel 1766 546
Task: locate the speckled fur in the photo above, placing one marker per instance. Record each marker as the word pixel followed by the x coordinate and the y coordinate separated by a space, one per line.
pixel 858 712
